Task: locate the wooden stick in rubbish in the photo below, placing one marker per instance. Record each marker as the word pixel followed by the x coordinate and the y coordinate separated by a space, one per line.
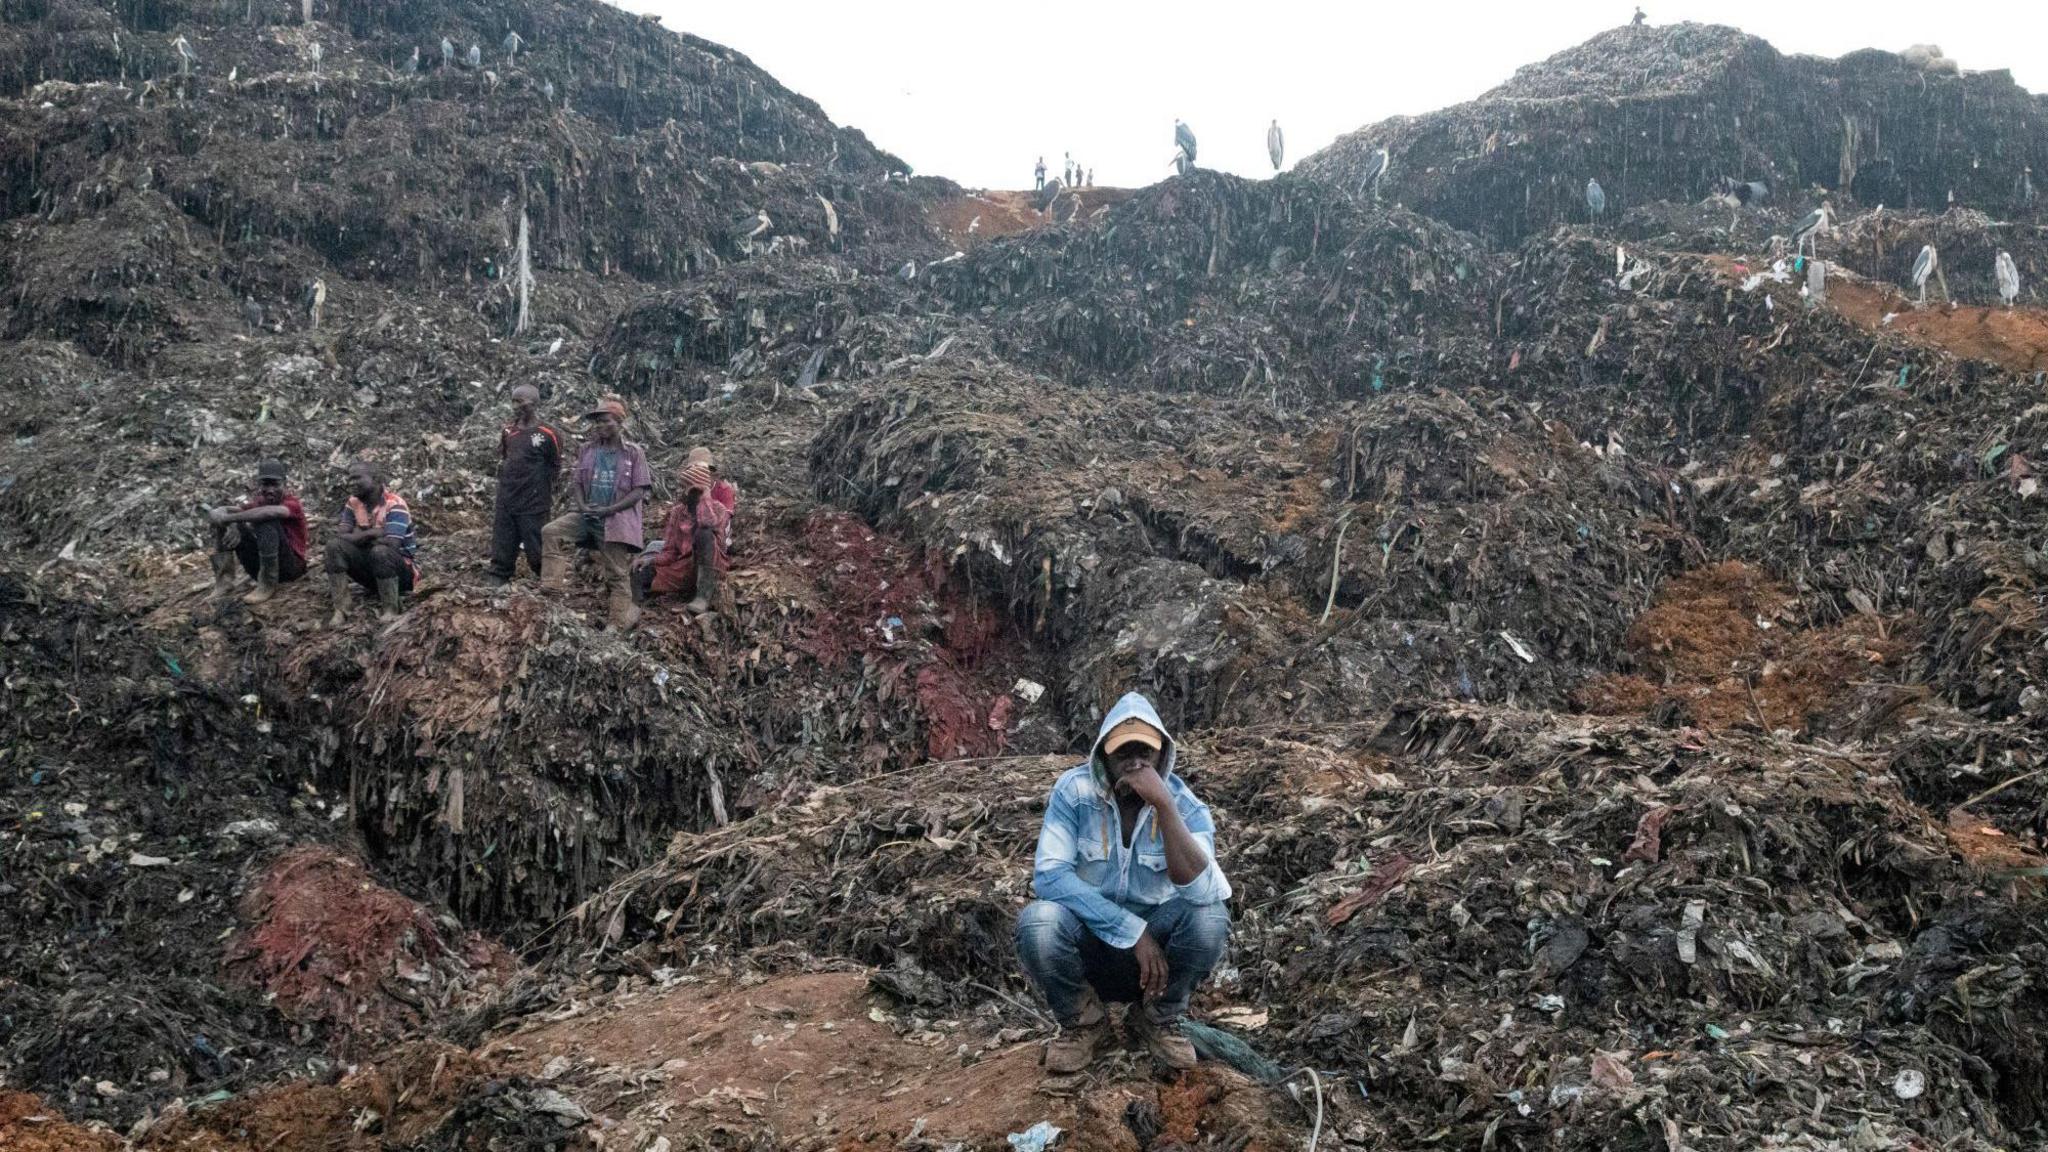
pixel 1996 789
pixel 1336 557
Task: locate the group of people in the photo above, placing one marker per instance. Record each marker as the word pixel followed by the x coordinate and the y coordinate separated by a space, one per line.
pixel 1075 176
pixel 373 544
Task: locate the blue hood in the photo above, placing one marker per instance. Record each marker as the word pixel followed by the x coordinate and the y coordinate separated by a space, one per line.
pixel 1134 705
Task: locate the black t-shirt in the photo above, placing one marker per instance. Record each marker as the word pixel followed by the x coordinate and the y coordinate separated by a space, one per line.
pixel 527 463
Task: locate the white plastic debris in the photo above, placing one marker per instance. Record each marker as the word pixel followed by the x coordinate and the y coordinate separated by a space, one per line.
pixel 1028 691
pixel 1037 1138
pixel 1909 1084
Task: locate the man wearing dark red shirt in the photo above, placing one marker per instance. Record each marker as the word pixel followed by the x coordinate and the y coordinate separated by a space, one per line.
pixel 529 456
pixel 266 533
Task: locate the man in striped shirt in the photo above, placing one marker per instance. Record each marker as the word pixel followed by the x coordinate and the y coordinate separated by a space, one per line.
pixel 372 546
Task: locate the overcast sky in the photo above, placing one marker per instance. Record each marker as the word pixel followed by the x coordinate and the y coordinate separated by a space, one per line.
pixel 978 92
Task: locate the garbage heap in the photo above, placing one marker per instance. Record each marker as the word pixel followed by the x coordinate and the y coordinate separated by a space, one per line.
pixel 1664 113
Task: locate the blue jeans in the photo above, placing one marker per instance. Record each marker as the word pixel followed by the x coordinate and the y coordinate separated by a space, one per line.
pixel 1065 960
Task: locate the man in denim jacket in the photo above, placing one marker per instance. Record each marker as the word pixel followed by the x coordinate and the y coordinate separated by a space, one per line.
pixel 1130 899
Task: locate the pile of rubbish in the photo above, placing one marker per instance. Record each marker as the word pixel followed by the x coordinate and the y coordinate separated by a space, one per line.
pixel 1611 643
pixel 1666 113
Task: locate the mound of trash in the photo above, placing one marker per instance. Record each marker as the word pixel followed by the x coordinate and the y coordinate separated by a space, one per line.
pixel 1665 113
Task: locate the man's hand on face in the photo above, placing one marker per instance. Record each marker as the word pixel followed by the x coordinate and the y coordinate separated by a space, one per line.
pixel 1151 967
pixel 1147 785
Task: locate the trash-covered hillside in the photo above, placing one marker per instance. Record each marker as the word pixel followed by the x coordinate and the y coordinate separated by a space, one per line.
pixel 1610 642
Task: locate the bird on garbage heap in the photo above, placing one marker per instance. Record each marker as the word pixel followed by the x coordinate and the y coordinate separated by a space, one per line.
pixel 252 313
pixel 513 42
pixel 2023 191
pixel 1596 200
pixel 1807 231
pixel 476 56
pixel 318 54
pixel 2008 279
pixel 547 91
pixel 1375 173
pixel 1183 148
pixel 186 57
pixel 412 65
pixel 1924 265
pixel 1276 144
pixel 447 52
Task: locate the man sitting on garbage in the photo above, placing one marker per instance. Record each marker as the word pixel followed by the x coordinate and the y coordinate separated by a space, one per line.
pixel 695 540
pixel 372 546
pixel 1130 898
pixel 266 533
pixel 529 456
pixel 611 482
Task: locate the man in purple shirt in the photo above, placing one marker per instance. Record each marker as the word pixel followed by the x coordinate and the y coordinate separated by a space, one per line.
pixel 610 484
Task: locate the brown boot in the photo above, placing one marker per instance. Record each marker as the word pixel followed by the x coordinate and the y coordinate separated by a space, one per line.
pixel 337 591
pixel 1074 1048
pixel 1164 1041
pixel 554 571
pixel 266 582
pixel 390 601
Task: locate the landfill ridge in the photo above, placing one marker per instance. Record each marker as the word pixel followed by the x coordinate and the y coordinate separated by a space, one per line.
pixel 1612 643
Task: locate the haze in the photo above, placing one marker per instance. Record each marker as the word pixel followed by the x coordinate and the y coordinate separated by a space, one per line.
pixel 977 94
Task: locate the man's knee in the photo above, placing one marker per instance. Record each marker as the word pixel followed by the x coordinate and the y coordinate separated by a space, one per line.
pixel 561 531
pixel 1044 927
pixel 1201 930
pixel 335 557
pixel 385 560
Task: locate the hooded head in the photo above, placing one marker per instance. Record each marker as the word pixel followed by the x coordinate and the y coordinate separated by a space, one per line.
pixel 1132 721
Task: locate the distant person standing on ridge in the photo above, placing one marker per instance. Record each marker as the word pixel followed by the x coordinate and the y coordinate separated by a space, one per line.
pixel 266 533
pixel 1038 174
pixel 1130 900
pixel 372 545
pixel 1091 178
pixel 1070 170
pixel 529 458
pixel 610 483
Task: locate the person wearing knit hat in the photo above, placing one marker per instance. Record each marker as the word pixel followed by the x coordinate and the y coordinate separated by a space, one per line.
pixel 696 539
pixel 610 484
pixel 266 533
pixel 1130 900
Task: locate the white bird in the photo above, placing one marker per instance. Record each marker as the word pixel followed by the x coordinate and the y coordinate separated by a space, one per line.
pixel 547 90
pixel 1276 144
pixel 476 56
pixel 412 65
pixel 2008 279
pixel 513 42
pixel 1924 265
pixel 186 57
pixel 1807 231
pixel 1596 200
pixel 555 347
pixel 447 52
pixel 319 54
pixel 1375 173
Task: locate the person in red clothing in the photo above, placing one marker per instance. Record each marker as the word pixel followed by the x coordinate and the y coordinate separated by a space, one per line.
pixel 266 533
pixel 696 540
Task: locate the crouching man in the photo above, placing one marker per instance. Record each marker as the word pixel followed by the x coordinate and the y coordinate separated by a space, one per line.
pixel 1130 898
pixel 265 535
pixel 372 546
pixel 696 539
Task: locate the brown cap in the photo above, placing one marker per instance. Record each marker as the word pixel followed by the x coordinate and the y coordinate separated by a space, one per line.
pixel 1132 731
pixel 609 406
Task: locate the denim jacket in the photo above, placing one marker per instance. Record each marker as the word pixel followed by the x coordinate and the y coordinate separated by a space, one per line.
pixel 1082 862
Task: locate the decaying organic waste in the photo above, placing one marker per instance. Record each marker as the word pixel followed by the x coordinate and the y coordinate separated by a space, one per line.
pixel 1615 655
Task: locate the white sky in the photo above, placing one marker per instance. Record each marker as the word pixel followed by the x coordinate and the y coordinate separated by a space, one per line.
pixel 978 92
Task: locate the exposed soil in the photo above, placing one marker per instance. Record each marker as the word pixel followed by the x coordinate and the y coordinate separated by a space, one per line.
pixel 821 1058
pixel 2015 337
pixel 977 217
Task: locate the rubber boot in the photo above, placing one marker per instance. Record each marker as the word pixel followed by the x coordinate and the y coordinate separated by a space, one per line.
pixel 391 604
pixel 554 570
pixel 625 613
pixel 707 585
pixel 337 590
pixel 266 581
pixel 224 565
